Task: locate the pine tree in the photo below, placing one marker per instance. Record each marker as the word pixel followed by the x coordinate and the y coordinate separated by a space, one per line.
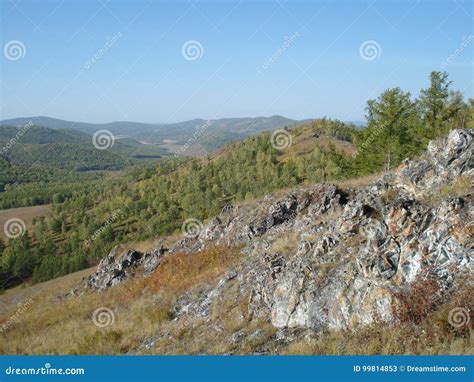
pixel 433 103
pixel 388 118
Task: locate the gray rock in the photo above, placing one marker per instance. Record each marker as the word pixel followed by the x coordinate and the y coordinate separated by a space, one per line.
pixel 118 266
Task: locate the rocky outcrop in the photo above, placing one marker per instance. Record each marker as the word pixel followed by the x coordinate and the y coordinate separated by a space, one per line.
pixel 119 265
pixel 442 163
pixel 323 258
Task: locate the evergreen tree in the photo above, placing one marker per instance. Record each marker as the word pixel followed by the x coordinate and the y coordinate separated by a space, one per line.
pixel 388 129
pixel 433 103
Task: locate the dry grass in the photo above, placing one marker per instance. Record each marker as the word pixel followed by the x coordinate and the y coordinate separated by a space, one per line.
pixel 306 143
pixel 360 181
pixel 200 338
pixel 182 271
pixel 54 325
pixel 25 291
pixel 24 213
pixel 461 187
pixel 141 309
pixel 384 340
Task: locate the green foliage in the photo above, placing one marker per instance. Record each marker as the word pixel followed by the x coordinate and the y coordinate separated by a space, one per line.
pixel 35 185
pixel 399 127
pixel 433 103
pixel 66 156
pixel 386 141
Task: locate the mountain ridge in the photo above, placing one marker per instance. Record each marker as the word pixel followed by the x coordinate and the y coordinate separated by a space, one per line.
pixel 117 126
pixel 213 133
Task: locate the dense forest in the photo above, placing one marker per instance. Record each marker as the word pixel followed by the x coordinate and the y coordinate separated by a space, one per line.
pixel 91 215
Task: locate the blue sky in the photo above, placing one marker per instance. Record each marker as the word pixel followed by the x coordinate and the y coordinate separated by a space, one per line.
pixel 300 59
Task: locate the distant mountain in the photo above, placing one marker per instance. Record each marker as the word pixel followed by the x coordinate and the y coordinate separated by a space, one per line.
pixel 43 135
pixel 210 134
pixel 215 133
pixel 117 128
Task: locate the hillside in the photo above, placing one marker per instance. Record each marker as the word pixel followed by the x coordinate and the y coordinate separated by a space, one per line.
pixel 36 134
pixel 212 133
pixel 117 128
pixel 70 156
pixel 41 163
pixel 154 199
pixel 26 185
pixel 15 138
pixel 374 269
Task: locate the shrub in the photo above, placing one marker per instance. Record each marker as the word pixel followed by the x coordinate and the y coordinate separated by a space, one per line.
pixel 419 301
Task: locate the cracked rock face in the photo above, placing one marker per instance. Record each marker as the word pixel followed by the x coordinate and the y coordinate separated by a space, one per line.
pixel 320 258
pixel 443 161
pixel 117 266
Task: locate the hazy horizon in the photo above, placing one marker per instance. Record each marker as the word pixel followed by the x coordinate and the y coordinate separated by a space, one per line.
pixel 177 121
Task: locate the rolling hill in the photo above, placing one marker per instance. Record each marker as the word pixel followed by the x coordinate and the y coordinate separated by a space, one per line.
pixel 63 149
pixel 117 128
pixel 212 134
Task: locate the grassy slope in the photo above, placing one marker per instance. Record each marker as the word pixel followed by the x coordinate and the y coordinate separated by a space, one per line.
pixel 51 324
pixel 24 213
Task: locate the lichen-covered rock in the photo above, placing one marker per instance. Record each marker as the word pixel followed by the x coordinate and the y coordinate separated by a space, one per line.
pixel 444 161
pixel 119 265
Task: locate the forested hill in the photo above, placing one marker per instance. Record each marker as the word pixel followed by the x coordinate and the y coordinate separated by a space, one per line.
pixel 34 134
pixel 60 149
pixel 117 128
pixel 154 199
pixel 213 133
